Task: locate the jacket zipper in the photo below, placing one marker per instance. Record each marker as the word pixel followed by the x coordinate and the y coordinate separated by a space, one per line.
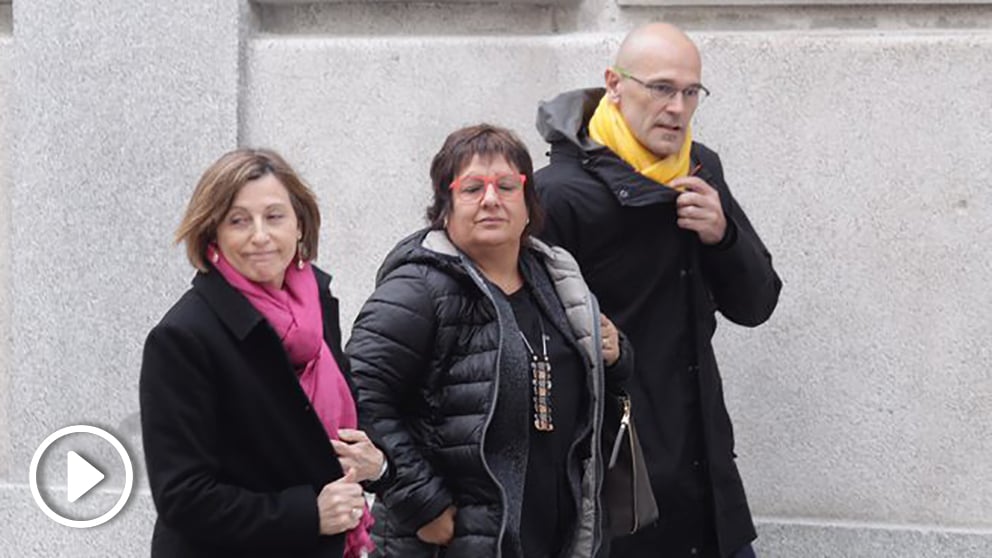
pixel 492 407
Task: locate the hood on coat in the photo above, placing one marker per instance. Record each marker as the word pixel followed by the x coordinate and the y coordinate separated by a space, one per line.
pixel 434 248
pixel 412 250
pixel 564 118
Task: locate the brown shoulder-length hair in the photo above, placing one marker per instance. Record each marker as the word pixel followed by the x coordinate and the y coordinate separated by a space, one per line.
pixel 221 183
pixel 486 141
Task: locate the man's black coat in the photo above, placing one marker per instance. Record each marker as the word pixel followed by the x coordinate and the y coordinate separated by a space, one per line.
pixel 661 286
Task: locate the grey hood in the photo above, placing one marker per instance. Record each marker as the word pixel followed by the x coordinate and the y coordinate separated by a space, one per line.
pixel 564 118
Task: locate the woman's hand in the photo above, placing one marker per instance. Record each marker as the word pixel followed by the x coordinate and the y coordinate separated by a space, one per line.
pixel 611 340
pixel 340 504
pixel 441 530
pixel 356 451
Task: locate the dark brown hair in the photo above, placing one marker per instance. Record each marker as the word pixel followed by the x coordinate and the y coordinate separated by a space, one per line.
pixel 484 140
pixel 220 184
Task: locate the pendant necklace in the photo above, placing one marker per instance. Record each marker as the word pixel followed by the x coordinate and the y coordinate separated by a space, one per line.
pixel 540 371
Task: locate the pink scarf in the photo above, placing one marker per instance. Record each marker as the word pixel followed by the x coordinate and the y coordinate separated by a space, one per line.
pixel 294 312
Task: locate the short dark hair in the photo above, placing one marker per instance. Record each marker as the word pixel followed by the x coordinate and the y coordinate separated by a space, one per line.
pixel 484 140
pixel 221 183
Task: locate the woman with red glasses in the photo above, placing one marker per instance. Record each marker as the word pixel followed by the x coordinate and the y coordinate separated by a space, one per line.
pixel 481 362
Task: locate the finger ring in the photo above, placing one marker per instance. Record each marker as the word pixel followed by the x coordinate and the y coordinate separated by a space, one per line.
pixel 356 512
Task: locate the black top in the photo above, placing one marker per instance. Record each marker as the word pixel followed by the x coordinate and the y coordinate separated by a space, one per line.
pixel 548 511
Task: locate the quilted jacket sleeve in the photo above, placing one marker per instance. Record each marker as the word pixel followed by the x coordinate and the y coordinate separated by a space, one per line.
pixel 390 352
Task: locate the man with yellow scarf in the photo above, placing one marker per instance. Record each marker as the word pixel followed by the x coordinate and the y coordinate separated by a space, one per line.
pixel 663 245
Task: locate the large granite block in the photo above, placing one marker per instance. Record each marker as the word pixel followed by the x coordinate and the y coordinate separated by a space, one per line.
pixel 5 326
pixel 858 157
pixel 120 106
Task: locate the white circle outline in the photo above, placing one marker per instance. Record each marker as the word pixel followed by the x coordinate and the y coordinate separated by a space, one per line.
pixel 107 437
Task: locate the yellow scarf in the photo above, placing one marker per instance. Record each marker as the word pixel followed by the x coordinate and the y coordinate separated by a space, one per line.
pixel 607 127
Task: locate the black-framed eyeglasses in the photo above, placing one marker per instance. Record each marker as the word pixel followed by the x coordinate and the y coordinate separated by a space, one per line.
pixel 666 91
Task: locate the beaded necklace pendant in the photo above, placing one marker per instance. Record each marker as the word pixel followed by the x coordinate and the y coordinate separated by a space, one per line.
pixel 540 373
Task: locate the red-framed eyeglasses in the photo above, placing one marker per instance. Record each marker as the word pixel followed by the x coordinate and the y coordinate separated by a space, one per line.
pixel 472 188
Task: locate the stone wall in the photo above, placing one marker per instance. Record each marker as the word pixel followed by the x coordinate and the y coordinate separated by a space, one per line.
pixel 856 137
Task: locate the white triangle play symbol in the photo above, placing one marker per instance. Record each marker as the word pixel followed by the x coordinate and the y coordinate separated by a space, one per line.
pixel 82 476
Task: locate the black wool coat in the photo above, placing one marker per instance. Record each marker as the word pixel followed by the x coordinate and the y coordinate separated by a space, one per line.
pixel 235 454
pixel 662 287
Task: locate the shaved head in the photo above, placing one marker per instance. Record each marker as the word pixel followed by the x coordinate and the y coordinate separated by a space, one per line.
pixel 652 41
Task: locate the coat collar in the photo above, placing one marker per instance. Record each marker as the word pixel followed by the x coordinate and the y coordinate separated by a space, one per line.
pixel 227 303
pixel 439 242
pixel 236 312
pixel 564 123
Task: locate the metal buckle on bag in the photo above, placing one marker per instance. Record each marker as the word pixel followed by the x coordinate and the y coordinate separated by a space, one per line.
pixel 624 425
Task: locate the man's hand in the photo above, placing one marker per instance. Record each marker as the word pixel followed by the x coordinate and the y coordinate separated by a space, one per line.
pixel 356 451
pixel 441 530
pixel 699 209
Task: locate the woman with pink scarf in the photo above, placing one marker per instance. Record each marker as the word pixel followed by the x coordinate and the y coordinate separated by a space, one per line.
pixel 247 411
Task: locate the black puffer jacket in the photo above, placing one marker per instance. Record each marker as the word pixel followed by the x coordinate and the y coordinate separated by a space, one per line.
pixel 429 361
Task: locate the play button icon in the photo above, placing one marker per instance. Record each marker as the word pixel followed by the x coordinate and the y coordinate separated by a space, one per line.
pixel 82 476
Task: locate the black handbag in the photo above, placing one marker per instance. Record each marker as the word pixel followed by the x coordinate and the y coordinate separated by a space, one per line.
pixel 627 494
